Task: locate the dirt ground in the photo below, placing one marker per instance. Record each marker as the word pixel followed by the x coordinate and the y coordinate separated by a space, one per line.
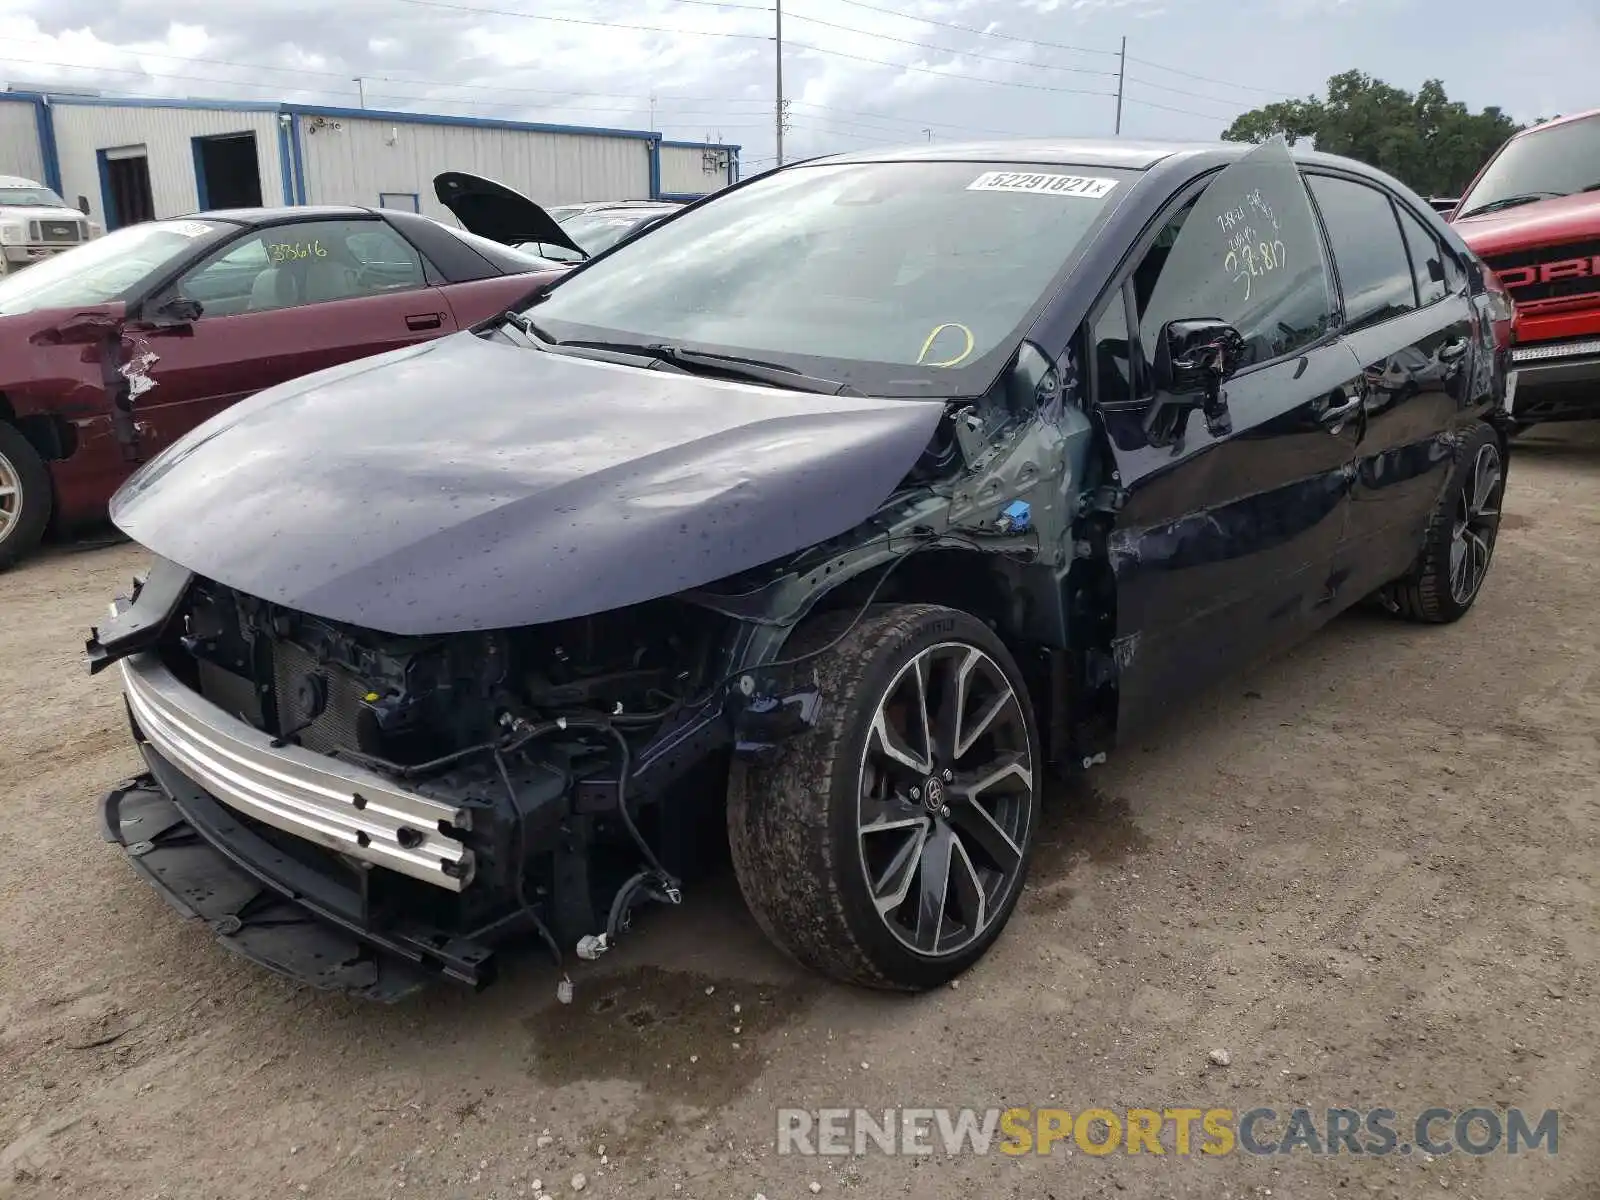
pixel 1368 871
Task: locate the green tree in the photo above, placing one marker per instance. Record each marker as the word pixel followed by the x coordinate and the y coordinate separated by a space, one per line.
pixel 1433 143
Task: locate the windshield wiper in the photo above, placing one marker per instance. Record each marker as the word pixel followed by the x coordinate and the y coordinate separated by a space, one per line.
pixel 729 366
pixel 1509 202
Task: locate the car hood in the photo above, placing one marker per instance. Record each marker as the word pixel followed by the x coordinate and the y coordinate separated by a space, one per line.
pixel 499 213
pixel 1530 226
pixel 41 212
pixel 473 483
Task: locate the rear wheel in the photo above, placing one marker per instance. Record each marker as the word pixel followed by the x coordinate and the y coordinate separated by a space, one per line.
pixel 1460 537
pixel 888 846
pixel 25 499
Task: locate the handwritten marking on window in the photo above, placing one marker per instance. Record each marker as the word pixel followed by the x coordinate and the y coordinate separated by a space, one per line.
pixel 282 252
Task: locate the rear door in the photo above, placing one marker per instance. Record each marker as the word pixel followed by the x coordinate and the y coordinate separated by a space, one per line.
pixel 1409 319
pixel 1226 538
pixel 279 303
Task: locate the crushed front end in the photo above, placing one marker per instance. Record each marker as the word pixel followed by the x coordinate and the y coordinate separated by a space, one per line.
pixel 364 812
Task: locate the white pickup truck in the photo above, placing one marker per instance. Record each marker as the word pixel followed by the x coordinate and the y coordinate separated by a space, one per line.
pixel 35 223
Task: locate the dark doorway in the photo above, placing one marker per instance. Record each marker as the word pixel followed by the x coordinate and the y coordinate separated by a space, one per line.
pixel 227 173
pixel 125 182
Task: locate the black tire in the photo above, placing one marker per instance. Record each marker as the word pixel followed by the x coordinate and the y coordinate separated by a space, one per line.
pixel 24 515
pixel 795 818
pixel 1462 522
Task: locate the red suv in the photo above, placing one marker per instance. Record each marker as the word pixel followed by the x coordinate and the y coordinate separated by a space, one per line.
pixel 1533 214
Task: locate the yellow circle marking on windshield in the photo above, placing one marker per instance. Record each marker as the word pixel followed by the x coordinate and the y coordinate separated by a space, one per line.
pixel 922 356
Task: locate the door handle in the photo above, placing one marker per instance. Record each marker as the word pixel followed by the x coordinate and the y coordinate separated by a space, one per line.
pixel 1333 419
pixel 424 321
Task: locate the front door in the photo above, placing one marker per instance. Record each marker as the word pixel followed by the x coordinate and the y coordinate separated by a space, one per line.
pixel 1225 542
pixel 276 304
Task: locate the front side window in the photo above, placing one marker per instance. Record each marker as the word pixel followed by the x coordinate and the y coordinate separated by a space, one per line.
pixel 1246 251
pixel 106 269
pixel 898 278
pixel 1374 272
pixel 1538 165
pixel 309 262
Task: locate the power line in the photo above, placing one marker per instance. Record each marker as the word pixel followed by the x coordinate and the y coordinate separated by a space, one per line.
pixel 39 62
pixel 1161 87
pixel 1244 87
pixel 948 49
pixel 1188 112
pixel 527 16
pixel 990 33
pixel 1032 87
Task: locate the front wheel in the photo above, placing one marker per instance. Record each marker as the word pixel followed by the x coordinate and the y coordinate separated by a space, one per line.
pixel 1459 540
pixel 888 846
pixel 25 499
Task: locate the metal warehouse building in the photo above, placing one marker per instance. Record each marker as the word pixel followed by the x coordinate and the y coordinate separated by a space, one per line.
pixel 139 159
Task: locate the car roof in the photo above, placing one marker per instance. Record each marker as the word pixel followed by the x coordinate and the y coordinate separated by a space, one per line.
pixel 17 181
pixel 1127 153
pixel 1554 121
pixel 273 216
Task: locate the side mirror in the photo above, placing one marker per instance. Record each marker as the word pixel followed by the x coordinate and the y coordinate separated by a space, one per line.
pixel 1193 359
pixel 1197 356
pixel 177 313
pixel 83 205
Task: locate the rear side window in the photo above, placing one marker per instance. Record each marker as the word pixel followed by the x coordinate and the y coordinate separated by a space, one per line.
pixel 1374 272
pixel 1427 260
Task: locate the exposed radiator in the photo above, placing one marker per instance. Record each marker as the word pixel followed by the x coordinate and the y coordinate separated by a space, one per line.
pixel 295 673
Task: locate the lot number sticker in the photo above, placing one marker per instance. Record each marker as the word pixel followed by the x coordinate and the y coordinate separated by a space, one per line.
pixel 1049 185
pixel 189 229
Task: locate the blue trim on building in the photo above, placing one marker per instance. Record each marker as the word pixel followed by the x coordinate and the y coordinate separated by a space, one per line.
pixel 416 201
pixel 655 169
pixel 108 204
pixel 201 190
pixel 285 163
pixel 733 166
pixel 149 102
pixel 411 118
pixel 299 159
pixel 681 197
pixel 45 123
pixel 700 145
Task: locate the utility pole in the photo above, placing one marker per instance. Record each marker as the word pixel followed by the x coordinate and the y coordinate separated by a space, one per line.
pixel 361 90
pixel 929 132
pixel 778 112
pixel 1122 70
pixel 652 110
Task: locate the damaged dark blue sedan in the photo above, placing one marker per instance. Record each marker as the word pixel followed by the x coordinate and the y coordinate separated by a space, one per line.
pixel 816 524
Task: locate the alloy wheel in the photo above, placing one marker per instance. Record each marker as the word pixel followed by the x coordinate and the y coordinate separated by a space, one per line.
pixel 10 496
pixel 945 799
pixel 1477 519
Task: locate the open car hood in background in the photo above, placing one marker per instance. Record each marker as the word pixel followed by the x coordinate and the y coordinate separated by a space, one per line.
pixel 494 211
pixel 474 483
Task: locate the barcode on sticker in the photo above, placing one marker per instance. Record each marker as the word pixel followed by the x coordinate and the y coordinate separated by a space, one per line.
pixel 1048 184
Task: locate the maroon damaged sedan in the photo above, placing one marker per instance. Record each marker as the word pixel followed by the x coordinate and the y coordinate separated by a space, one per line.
pixel 116 349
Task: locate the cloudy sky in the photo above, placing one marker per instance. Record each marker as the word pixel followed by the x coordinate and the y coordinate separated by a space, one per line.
pixel 856 72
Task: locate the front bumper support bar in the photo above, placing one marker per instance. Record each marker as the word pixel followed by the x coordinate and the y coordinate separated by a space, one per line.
pixel 268 906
